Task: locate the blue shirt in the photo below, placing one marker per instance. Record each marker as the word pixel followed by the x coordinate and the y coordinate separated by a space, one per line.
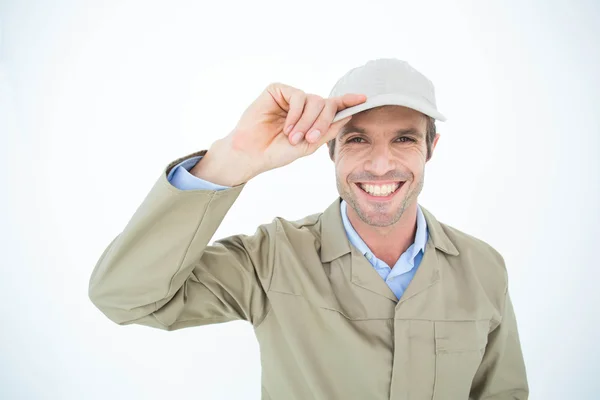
pixel 397 278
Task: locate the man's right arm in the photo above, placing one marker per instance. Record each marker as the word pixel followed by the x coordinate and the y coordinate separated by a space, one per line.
pixel 161 272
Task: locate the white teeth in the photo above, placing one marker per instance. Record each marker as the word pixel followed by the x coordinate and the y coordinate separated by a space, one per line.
pixel 380 190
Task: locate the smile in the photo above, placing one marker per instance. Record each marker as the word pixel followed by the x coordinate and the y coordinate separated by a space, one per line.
pixel 382 191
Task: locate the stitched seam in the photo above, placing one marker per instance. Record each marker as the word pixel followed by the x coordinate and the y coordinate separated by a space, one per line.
pixel 278 229
pixel 280 292
pixel 272 268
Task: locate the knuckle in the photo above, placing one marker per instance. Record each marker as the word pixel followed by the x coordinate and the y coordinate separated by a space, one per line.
pixel 296 102
pixel 332 102
pixel 317 100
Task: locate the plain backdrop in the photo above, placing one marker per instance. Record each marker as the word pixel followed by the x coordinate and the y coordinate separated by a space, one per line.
pixel 97 97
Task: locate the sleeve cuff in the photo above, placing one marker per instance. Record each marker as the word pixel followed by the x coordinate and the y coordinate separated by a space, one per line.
pixel 180 177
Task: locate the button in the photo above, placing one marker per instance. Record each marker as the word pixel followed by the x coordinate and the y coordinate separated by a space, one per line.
pixel 369 256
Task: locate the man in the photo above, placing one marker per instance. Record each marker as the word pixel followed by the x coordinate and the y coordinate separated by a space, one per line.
pixel 371 299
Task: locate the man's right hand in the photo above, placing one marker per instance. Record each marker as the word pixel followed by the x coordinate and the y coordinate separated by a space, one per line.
pixel 260 141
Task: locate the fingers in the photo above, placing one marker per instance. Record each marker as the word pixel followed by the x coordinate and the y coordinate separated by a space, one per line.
pixel 292 101
pixel 309 116
pixel 312 109
pixel 330 134
pixel 323 122
pixel 296 101
pixel 332 107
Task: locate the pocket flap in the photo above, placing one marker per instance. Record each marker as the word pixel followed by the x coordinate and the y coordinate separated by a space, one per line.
pixel 459 336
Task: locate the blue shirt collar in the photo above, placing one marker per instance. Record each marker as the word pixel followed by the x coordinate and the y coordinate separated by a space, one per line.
pixel 355 239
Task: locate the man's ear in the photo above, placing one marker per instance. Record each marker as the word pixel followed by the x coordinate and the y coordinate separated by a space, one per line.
pixel 331 148
pixel 435 140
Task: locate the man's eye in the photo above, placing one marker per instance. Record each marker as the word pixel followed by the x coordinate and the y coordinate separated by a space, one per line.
pixel 407 138
pixel 354 140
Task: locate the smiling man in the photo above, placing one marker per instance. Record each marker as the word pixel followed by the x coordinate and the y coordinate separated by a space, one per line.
pixel 380 165
pixel 373 298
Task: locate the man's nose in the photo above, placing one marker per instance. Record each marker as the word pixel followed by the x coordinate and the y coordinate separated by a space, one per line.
pixel 380 160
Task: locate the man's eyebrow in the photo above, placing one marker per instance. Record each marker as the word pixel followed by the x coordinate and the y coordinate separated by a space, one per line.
pixel 348 129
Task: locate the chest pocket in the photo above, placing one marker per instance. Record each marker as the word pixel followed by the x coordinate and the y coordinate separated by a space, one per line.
pixel 459 349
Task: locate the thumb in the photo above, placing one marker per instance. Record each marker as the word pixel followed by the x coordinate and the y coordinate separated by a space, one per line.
pixel 349 100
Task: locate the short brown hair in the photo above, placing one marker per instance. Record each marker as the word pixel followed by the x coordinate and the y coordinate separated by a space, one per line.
pixel 429 136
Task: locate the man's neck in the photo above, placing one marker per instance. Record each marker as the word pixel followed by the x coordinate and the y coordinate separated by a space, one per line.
pixel 387 243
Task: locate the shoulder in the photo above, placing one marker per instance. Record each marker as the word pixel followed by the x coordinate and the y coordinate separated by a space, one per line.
pixel 474 248
pixel 306 226
pixel 479 258
pixel 280 227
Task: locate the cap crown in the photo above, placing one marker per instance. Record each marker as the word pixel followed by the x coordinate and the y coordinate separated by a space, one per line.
pixel 386 76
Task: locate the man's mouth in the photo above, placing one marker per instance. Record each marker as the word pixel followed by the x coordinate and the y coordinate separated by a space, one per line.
pixel 380 190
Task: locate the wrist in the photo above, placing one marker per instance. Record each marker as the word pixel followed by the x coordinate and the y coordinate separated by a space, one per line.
pixel 217 167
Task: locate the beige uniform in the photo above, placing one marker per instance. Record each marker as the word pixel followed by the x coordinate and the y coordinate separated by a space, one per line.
pixel 328 326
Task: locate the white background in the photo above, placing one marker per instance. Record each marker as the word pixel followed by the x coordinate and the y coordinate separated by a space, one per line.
pixel 97 97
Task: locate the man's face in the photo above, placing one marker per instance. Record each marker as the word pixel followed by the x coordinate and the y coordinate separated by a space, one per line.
pixel 380 157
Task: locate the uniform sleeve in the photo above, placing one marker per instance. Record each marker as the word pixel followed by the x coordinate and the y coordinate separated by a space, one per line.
pixel 182 179
pixel 161 272
pixel 502 375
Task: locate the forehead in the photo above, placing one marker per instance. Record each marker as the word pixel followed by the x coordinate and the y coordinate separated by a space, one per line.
pixel 386 119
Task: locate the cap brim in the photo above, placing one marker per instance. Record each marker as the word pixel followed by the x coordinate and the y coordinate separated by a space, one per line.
pixel 392 99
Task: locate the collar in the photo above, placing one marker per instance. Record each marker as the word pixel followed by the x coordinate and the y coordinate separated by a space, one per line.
pixel 335 241
pixel 356 240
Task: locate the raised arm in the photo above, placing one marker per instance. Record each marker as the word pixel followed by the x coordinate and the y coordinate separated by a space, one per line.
pixel 161 272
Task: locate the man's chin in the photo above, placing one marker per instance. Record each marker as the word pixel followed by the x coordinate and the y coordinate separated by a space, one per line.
pixel 379 222
pixel 380 216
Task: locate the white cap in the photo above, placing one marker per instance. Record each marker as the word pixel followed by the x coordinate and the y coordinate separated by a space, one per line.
pixel 387 81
